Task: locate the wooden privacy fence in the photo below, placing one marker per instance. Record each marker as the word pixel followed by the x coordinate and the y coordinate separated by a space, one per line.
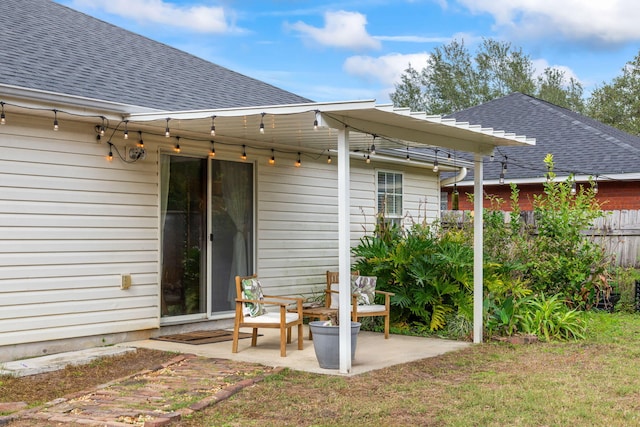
pixel 618 231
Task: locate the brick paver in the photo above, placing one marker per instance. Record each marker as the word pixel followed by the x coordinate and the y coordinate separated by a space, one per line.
pixel 152 398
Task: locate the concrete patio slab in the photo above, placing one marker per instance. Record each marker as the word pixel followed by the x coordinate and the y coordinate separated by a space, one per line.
pixel 373 351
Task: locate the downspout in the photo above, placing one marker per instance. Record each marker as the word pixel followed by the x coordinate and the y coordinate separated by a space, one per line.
pixel 462 174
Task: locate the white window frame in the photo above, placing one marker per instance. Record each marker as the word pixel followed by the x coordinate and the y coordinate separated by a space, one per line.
pixel 386 216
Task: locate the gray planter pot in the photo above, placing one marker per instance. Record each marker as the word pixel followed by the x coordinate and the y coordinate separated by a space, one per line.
pixel 326 343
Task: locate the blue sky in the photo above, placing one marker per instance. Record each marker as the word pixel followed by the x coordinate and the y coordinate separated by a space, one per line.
pixel 355 50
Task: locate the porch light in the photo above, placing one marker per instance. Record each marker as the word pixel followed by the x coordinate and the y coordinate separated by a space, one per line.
pixel 212 152
pixel 3 118
pixel 272 160
pixel 140 141
pixel 298 162
pixel 167 133
pixel 55 120
pixel 213 126
pixel 126 129
pixel 243 156
pixel 262 122
pixel 177 147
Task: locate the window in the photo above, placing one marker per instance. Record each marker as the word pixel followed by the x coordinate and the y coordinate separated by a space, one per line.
pixel 390 197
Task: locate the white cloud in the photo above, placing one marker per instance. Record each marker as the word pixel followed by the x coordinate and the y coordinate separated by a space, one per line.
pixel 541 64
pixel 341 29
pixel 201 19
pixel 386 69
pixel 604 21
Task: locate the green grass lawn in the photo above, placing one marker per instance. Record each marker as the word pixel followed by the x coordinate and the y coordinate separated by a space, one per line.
pixel 595 382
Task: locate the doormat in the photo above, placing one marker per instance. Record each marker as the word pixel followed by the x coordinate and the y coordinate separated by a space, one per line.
pixel 202 337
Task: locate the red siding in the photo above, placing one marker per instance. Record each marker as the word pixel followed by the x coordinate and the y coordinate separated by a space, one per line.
pixel 615 195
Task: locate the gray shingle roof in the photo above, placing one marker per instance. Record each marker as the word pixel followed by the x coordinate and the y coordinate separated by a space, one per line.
pixel 578 143
pixel 50 47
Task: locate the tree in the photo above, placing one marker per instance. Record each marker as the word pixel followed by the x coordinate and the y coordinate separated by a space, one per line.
pixel 618 103
pixel 454 79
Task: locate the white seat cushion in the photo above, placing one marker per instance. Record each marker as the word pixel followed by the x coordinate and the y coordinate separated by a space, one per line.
pixel 270 317
pixel 371 308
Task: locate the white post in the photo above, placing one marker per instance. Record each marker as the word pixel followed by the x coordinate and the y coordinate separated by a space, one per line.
pixel 478 230
pixel 344 250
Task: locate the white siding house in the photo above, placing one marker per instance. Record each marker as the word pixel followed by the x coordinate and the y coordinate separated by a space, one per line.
pixel 101 244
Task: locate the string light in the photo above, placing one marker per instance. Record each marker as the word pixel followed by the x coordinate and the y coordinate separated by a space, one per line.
pixel 501 180
pixel 3 118
pixel 315 121
pixel 55 120
pixel 167 133
pixel 262 122
pixel 272 160
pixel 368 159
pixel 573 188
pixel 243 156
pixel 102 126
pixel 298 162
pixel 212 152
pixel 595 185
pixel 110 155
pixel 177 147
pixel 213 126
pixel 373 146
pixel 435 162
pixel 329 159
pixel 408 156
pixel 126 129
pixel 140 141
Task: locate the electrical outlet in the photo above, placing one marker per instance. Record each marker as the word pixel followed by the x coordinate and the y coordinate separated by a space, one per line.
pixel 125 282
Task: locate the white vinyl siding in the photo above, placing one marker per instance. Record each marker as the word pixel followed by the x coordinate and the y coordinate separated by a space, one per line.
pixel 70 224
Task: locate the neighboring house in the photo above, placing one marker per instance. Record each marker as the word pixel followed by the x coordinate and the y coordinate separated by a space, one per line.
pixel 580 146
pixel 111 230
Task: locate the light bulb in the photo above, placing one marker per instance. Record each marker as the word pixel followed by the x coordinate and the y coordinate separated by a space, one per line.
pixel 3 119
pixel 329 159
pixel 167 133
pixel 272 160
pixel 213 126
pixel 212 152
pixel 177 147
pixel 126 129
pixel 55 120
pixel 298 162
pixel 243 156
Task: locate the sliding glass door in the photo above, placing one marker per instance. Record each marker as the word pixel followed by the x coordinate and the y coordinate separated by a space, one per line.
pixel 207 228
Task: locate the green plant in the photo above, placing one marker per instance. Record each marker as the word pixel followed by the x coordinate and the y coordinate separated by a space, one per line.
pixel 551 319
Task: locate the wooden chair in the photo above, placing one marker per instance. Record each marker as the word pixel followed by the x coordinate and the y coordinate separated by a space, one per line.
pixel 362 310
pixel 281 319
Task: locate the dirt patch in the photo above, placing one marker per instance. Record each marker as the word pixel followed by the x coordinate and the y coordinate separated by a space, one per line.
pixel 37 389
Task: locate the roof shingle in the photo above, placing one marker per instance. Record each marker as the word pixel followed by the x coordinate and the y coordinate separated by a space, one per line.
pixel 579 144
pixel 50 47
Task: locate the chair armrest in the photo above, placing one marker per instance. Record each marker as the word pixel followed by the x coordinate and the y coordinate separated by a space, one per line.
pixel 385 293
